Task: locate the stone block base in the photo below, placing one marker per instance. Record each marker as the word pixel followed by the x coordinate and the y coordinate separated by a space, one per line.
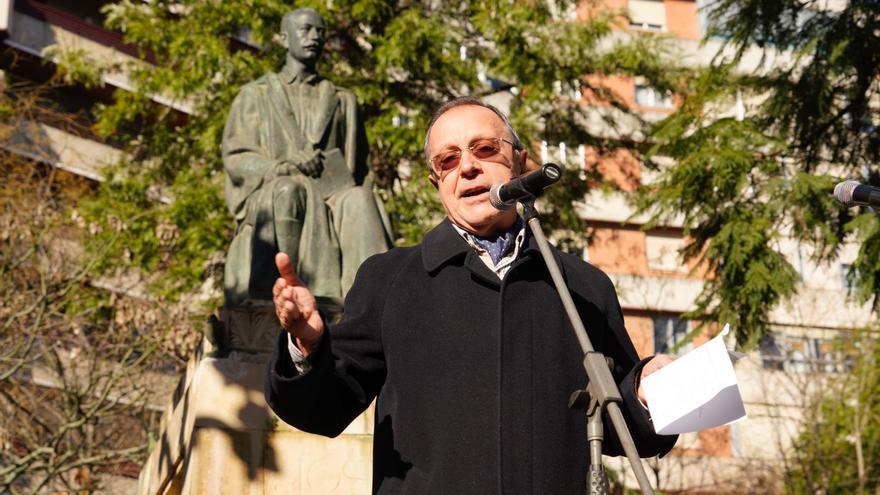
pixel 219 436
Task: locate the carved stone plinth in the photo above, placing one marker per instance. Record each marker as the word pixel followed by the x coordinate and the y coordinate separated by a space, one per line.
pixel 219 436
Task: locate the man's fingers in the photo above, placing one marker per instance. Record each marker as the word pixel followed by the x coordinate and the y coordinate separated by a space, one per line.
pixel 285 268
pixel 659 361
pixel 291 310
pixel 278 286
pixel 287 293
pixel 288 314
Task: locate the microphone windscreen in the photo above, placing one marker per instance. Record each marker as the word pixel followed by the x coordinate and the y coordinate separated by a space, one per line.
pixel 844 191
pixel 495 198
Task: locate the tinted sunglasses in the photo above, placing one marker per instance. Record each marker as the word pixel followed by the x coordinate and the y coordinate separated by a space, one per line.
pixel 444 162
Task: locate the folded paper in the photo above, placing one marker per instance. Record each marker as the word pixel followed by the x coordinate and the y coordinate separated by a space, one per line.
pixel 696 391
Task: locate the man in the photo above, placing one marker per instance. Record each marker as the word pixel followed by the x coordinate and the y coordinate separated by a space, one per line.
pixel 294 150
pixel 464 340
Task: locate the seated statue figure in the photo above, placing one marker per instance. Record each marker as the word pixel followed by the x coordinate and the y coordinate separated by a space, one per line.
pixel 294 149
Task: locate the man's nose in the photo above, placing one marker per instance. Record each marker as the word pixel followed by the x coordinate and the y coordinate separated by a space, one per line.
pixel 469 165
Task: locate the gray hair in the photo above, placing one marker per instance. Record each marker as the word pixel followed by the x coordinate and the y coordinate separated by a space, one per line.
pixel 470 101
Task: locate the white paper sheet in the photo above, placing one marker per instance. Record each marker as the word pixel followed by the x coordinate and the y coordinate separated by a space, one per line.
pixel 696 391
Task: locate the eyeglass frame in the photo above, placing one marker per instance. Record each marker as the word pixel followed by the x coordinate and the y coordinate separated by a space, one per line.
pixel 470 149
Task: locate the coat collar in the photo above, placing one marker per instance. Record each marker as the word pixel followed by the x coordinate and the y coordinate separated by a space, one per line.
pixel 441 245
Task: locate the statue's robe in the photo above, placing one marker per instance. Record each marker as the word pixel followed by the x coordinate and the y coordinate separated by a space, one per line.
pixel 270 119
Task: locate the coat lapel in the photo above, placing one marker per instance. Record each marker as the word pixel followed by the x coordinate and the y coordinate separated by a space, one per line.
pixel 323 112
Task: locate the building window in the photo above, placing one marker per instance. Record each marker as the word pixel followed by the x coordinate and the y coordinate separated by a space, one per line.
pixel 803 354
pixel 649 15
pixel 647 26
pixel 668 332
pixel 771 354
pixel 647 96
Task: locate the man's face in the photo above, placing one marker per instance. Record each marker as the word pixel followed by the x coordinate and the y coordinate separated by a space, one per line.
pixel 464 190
pixel 303 36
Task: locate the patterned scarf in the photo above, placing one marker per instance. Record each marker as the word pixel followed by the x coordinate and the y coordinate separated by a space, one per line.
pixel 499 244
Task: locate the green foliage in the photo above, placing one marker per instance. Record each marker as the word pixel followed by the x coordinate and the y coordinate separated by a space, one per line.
pixel 76 65
pixel 866 270
pixel 743 185
pixel 402 59
pixel 414 210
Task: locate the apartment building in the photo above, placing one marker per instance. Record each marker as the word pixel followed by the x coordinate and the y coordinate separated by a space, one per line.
pixel 654 286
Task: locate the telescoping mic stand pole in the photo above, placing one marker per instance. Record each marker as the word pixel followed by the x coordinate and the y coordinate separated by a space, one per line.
pixel 601 393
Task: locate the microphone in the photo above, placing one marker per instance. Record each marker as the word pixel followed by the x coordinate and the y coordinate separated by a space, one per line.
pixel 524 187
pixel 851 193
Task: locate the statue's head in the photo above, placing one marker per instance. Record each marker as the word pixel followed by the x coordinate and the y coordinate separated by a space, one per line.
pixel 302 33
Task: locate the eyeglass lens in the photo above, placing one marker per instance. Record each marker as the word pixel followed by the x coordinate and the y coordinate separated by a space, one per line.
pixel 481 149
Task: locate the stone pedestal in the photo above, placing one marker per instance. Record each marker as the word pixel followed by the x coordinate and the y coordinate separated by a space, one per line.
pixel 219 436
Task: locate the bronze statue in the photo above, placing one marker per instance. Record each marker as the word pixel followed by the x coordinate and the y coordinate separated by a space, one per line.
pixel 294 149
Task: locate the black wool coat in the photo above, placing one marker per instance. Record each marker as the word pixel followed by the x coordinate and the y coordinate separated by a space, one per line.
pixel 472 373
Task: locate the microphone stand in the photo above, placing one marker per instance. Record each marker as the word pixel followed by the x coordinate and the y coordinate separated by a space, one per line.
pixel 602 393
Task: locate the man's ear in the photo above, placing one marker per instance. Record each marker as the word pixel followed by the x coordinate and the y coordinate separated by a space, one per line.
pixel 282 39
pixel 519 161
pixel 433 180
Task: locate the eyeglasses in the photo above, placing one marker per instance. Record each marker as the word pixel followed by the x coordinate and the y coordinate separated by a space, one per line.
pixel 444 162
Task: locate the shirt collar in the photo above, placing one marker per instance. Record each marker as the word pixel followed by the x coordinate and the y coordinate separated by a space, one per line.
pixel 515 234
pixel 294 71
pixel 443 244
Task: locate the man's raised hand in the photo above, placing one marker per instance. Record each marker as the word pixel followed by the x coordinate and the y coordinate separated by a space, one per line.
pixel 296 307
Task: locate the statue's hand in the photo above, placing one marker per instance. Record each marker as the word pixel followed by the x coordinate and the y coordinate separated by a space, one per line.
pixel 310 162
pixel 296 307
pixel 283 168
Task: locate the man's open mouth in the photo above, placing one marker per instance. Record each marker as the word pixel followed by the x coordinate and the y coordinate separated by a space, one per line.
pixel 474 191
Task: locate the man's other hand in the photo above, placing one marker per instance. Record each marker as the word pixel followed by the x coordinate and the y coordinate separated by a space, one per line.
pixel 657 362
pixel 296 307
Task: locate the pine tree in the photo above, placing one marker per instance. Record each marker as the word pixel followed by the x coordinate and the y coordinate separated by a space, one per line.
pixel 743 184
